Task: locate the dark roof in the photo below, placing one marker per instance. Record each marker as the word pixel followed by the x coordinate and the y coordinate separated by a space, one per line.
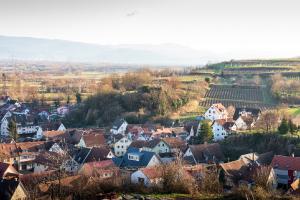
pixel 144 159
pixel 8 188
pixel 50 159
pixel 204 153
pixel 265 158
pixel 153 143
pixel 138 144
pixel 228 125
pixel 237 169
pixel 3 168
pixel 72 136
pixel 97 154
pixel 176 143
pixel 117 137
pixel 191 124
pixel 254 111
pixel 117 123
pixel 81 155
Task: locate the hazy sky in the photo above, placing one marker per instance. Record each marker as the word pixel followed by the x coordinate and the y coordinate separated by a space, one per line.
pixel 229 28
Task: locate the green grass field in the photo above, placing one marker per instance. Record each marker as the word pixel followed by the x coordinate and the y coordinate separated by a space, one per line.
pixel 293 111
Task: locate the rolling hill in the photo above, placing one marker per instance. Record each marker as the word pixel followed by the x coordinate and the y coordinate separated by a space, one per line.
pixel 26 48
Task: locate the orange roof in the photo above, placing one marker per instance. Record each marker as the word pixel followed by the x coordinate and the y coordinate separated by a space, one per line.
pixel 52 134
pixel 29 145
pixel 286 162
pixel 67 182
pixel 92 140
pixel 90 167
pixel 152 172
pixel 7 150
pixel 233 166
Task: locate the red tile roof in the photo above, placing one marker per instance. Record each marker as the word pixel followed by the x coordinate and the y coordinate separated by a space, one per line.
pixel 53 134
pixel 88 169
pixel 152 172
pixel 286 163
pixel 94 140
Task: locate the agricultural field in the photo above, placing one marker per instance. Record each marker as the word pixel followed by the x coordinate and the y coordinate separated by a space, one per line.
pixel 237 96
pixel 243 93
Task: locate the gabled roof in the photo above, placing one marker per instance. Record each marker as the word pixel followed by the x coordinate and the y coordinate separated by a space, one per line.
pixel 219 107
pixel 226 123
pixel 3 168
pixel 9 150
pixel 254 112
pixel 50 159
pixel 8 188
pixel 176 143
pixel 93 140
pixel 152 143
pixel 72 136
pixel 265 158
pixel 144 159
pixel 286 163
pixel 138 144
pixel 118 123
pixel 53 134
pixel 152 172
pixel 31 146
pixel 97 154
pixel 81 155
pixel 235 168
pixel 207 153
pixel 191 124
pixel 90 167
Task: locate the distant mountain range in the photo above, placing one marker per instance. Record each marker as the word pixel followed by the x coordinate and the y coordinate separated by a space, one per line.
pixel 26 48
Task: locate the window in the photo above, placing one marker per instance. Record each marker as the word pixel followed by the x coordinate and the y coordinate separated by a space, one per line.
pixel 141 180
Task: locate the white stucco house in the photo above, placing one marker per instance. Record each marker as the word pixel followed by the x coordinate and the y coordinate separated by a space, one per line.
pixel 286 169
pixel 121 146
pixel 119 127
pixel 215 112
pixel 147 176
pixel 222 128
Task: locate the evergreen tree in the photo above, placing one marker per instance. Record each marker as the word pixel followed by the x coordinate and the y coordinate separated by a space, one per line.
pixel 205 132
pixel 68 99
pixel 292 127
pixel 283 127
pixel 12 128
pixel 78 97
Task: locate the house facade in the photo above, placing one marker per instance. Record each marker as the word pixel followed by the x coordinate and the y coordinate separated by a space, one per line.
pixel 222 128
pixel 286 168
pixel 215 112
pixel 119 127
pixel 121 146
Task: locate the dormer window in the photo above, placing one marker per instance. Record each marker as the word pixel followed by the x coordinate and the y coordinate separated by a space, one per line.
pixel 133 157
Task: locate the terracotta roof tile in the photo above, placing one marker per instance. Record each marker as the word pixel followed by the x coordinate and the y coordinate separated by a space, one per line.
pixel 152 172
pixel 93 140
pixel 286 162
pixel 53 134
